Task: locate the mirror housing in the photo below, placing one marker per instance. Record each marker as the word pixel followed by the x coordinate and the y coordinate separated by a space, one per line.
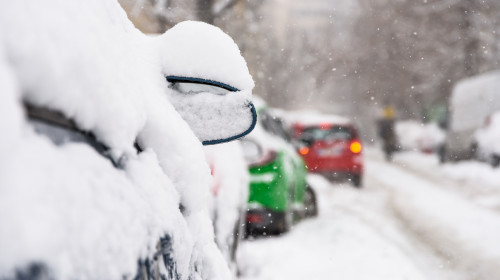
pixel 216 112
pixel 209 81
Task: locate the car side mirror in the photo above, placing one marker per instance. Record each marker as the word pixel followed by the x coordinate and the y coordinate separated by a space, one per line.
pixel 216 112
pixel 209 81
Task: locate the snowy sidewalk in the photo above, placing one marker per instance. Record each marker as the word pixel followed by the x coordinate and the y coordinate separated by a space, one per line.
pixel 476 181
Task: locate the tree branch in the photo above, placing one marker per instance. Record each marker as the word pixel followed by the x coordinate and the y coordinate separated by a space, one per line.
pixel 222 6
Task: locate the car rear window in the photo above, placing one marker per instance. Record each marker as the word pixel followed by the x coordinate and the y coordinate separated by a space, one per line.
pixel 328 133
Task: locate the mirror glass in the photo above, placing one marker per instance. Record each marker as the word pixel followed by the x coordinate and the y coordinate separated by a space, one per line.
pixel 216 112
pixel 193 88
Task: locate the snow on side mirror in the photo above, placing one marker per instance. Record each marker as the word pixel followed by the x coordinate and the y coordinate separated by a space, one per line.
pixel 209 82
pixel 216 112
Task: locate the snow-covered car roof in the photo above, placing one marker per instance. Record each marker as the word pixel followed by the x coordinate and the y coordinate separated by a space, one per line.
pixel 313 118
pixel 473 99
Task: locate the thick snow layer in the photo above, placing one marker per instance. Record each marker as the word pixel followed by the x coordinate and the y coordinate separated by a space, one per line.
pixel 229 193
pixel 195 50
pixel 266 141
pixel 488 137
pixel 469 172
pixel 68 206
pixel 202 51
pixel 414 135
pixel 473 99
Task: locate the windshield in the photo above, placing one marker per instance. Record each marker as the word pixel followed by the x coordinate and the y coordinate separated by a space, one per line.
pixel 61 135
pixel 327 134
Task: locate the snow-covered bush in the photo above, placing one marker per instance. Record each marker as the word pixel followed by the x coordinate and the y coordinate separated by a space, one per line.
pixel 414 135
pixel 68 207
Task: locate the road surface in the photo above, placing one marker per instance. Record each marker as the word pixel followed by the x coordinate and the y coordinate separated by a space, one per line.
pixel 412 219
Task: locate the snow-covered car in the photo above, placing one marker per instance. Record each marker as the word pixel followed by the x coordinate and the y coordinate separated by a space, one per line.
pixel 229 195
pixel 471 102
pixel 417 136
pixel 487 139
pixel 279 194
pixel 102 171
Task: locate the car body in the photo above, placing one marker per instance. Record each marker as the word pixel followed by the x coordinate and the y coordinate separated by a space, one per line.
pixel 277 177
pixel 487 140
pixel 417 136
pixel 229 196
pixel 101 175
pixel 330 145
pixel 471 102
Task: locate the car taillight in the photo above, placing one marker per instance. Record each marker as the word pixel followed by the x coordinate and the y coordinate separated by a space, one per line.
pixel 355 147
pixel 304 151
pixel 254 218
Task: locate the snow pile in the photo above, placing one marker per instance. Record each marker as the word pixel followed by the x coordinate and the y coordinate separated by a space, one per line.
pixel 414 135
pixel 474 174
pixel 488 137
pixel 68 206
pixel 229 194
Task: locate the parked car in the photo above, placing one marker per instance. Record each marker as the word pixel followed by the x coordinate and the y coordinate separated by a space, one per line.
pixel 229 196
pixel 278 190
pixel 330 145
pixel 471 102
pixel 487 140
pixel 417 136
pixel 102 172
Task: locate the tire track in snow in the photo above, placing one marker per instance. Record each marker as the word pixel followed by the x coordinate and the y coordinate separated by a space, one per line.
pixel 459 230
pixel 355 236
pixel 480 193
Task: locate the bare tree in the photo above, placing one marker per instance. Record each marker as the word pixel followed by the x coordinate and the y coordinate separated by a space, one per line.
pixel 418 50
pixel 209 10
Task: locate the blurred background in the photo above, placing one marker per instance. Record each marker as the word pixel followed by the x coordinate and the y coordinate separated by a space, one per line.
pixel 348 57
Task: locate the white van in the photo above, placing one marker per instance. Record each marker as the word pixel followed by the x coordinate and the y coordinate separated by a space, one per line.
pixel 472 101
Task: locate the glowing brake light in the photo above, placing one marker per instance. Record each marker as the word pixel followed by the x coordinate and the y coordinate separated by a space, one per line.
pixel 325 126
pixel 356 147
pixel 304 151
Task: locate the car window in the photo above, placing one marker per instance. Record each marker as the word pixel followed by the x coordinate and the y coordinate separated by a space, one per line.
pixel 191 88
pixel 327 133
pixel 61 131
pixel 272 125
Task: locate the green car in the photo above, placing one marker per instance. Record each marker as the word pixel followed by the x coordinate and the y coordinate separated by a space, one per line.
pixel 279 194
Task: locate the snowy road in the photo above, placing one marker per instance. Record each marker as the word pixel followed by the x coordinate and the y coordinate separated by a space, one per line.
pixel 409 222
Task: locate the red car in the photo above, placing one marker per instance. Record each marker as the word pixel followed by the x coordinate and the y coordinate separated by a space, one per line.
pixel 331 148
